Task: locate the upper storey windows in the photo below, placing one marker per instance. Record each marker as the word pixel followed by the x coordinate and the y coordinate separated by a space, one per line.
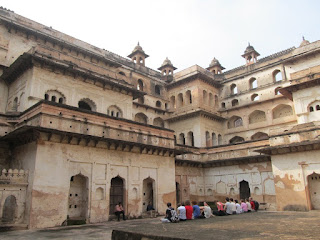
pixel 233 89
pixel 54 96
pixel 277 76
pixel 87 104
pixel 253 83
pixel 140 85
pixel 157 89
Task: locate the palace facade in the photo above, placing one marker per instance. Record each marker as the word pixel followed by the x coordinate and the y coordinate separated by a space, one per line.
pixel 82 128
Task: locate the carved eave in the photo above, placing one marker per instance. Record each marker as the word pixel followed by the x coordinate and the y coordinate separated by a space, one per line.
pixel 195 113
pixel 138 52
pixel 223 162
pixel 10 25
pixel 167 66
pixel 198 76
pixel 291 148
pixel 28 60
pixel 309 81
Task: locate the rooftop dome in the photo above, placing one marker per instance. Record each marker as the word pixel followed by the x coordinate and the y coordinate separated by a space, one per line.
pixel 214 62
pixel 138 48
pixel 249 49
pixel 166 62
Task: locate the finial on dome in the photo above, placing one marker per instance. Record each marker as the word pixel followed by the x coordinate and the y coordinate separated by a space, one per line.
pixel 304 42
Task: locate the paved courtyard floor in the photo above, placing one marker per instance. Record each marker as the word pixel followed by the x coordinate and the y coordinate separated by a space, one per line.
pixel 259 225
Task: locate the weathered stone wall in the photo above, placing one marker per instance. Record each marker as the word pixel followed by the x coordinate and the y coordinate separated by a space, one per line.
pixel 56 163
pixel 291 173
pixel 210 184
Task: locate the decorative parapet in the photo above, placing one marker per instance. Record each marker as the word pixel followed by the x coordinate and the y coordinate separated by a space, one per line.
pixel 12 176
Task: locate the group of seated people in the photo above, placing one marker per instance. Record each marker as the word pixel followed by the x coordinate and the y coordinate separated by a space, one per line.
pixel 234 207
pixel 186 211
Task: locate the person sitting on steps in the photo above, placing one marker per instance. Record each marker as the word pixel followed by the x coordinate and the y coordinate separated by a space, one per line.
pixel 119 210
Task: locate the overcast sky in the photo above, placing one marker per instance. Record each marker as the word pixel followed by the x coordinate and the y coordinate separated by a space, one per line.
pixel 188 32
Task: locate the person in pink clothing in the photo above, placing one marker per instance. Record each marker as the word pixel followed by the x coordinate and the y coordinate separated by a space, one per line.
pixel 244 206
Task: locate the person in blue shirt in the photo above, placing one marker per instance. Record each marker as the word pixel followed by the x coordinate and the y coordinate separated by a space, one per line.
pixel 196 210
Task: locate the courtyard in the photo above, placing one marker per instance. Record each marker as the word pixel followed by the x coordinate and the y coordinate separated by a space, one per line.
pixel 259 225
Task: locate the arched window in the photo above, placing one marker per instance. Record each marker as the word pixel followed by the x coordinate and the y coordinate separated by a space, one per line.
pixel 253 83
pixel 233 89
pixel 208 140
pixel 314 106
pixel 114 111
pixel 158 122
pixel 182 140
pixel 257 116
pixel 157 89
pixel 87 104
pixel 216 103
pixel 205 97
pixel 180 100
pixel 54 96
pixel 236 139
pixel 84 105
pixel 219 139
pixel 140 85
pixel 255 97
pixel 172 102
pixel 277 75
pixel 211 99
pixel 214 139
pixel 158 104
pixel 235 102
pixel 235 121
pixel 281 111
pixel 190 139
pixel 15 104
pixel 259 136
pixel 141 118
pixel 188 97
pixel 223 105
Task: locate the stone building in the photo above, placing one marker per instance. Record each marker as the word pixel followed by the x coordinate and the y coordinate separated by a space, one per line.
pixel 82 128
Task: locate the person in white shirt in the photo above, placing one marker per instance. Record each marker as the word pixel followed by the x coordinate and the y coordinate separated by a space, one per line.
pixel 233 206
pixel 249 205
pixel 227 207
pixel 207 212
pixel 181 210
pixel 238 207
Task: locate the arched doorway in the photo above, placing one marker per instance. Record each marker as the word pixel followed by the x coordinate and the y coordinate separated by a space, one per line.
pixel 314 190
pixel 9 209
pixel 78 197
pixel 148 193
pixel 116 193
pixel 244 189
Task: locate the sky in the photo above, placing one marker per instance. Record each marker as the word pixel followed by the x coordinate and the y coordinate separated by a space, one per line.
pixel 188 32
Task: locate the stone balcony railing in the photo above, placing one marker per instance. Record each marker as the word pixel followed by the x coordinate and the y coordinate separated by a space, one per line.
pixel 72 123
pixel 12 176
